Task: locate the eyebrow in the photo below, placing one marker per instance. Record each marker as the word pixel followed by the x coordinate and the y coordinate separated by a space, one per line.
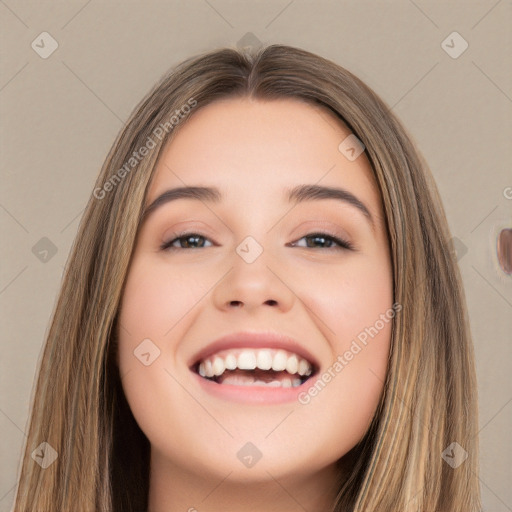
pixel 302 193
pixel 207 194
pixel 297 194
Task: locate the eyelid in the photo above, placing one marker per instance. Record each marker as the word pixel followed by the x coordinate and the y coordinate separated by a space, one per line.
pixel 341 242
pixel 166 244
pixel 184 228
pixel 312 227
pixel 309 228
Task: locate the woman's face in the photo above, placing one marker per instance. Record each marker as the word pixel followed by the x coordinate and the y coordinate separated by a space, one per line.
pixel 266 272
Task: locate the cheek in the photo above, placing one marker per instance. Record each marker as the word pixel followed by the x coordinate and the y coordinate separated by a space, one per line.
pixel 153 314
pixel 354 306
pixel 155 299
pixel 153 311
pixel 350 297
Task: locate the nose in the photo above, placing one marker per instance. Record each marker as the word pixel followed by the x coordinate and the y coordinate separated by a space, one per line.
pixel 249 286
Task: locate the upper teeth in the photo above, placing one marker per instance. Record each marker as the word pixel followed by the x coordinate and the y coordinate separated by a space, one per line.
pixel 250 359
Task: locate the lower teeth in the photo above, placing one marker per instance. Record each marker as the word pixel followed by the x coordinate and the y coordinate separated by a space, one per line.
pixel 233 380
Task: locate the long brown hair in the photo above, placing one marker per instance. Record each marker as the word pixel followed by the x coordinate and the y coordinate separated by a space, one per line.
pixel 429 398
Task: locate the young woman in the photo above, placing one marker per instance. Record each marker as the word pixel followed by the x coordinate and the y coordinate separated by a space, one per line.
pixel 260 312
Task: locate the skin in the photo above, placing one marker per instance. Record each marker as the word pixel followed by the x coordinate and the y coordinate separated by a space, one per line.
pixel 321 295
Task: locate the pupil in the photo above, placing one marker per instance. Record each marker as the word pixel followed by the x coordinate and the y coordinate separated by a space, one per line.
pixel 321 238
pixel 189 238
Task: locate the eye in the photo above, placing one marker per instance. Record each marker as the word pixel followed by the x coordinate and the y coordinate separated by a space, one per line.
pixel 185 241
pixel 324 241
pixel 313 240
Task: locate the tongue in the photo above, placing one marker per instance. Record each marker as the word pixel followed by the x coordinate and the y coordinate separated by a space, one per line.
pixel 241 377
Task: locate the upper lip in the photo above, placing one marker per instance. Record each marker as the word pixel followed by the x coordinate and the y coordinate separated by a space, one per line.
pixel 254 339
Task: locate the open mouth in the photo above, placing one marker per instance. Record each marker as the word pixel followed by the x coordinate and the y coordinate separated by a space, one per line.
pixel 256 367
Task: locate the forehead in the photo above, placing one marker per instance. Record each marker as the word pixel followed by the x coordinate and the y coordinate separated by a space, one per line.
pixel 248 147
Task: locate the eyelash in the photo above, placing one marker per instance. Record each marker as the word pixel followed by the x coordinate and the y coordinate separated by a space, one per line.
pixel 341 242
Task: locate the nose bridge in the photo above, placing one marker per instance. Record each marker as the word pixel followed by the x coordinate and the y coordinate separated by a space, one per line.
pixel 253 280
pixel 250 250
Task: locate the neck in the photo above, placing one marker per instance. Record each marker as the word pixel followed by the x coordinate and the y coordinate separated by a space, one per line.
pixel 179 489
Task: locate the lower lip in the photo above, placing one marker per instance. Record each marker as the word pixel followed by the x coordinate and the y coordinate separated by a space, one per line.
pixel 252 394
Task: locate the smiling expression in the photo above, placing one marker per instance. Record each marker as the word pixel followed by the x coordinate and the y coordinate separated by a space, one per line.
pixel 256 225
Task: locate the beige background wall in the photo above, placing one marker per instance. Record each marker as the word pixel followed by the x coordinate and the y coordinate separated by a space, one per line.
pixel 61 114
